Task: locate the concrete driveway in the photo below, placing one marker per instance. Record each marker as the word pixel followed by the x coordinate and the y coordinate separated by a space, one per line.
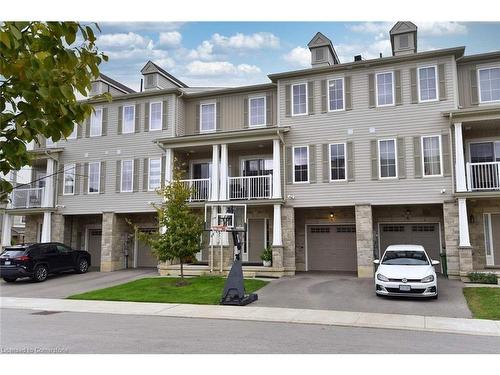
pixel 67 284
pixel 336 291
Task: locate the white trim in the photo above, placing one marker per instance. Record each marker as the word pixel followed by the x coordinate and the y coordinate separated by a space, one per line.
pixel 133 119
pixel 293 114
pixel 71 166
pixel 215 117
pixel 328 94
pixel 99 179
pixel 250 111
pixel 481 101
pixel 436 80
pixel 149 172
pixel 472 141
pixel 395 158
pixel 463 223
pixel 393 90
pixel 92 117
pixel 490 258
pixel 293 165
pixel 151 117
pixel 440 156
pixel 121 177
pixel 330 161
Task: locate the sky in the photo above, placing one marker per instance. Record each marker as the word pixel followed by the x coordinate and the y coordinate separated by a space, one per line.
pixel 240 53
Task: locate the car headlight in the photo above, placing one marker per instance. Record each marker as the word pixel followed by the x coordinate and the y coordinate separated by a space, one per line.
pixel 428 279
pixel 382 277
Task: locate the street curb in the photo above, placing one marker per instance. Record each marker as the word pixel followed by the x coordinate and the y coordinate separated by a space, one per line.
pixel 479 327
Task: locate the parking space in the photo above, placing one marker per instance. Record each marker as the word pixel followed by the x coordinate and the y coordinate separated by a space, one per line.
pixel 346 292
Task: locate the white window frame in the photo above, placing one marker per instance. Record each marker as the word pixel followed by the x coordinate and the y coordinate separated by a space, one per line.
pixel 92 116
pixel 151 117
pixel 395 159
pixel 328 94
pixel 420 100
pixel 74 133
pixel 292 100
pixel 121 176
pixel 250 111
pixel 66 168
pixel 99 179
pixel 308 165
pixel 393 90
pixel 440 155
pixel 215 117
pixel 330 161
pixel 481 101
pixel 149 173
pixel 133 119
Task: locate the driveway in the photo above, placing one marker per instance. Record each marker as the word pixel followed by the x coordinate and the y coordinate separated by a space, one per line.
pixel 67 284
pixel 336 291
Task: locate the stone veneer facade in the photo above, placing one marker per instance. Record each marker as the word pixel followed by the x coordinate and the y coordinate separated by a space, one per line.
pixel 364 239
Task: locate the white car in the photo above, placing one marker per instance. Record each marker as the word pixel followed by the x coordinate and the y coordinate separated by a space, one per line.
pixel 406 270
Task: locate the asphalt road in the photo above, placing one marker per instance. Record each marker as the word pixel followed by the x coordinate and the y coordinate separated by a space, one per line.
pixel 29 331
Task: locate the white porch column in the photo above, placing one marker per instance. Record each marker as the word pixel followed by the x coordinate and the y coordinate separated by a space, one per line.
pixel 46 232
pixel 463 223
pixel 48 195
pixel 224 167
pixel 277 237
pixel 215 173
pixel 459 159
pixel 169 165
pixel 276 169
pixel 6 230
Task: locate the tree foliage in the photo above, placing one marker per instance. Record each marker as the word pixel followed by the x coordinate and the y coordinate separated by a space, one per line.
pixel 42 67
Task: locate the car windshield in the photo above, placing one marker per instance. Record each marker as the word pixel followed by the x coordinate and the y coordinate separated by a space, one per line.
pixel 405 258
pixel 11 253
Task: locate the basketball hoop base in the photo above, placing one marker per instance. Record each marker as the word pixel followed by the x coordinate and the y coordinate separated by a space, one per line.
pixel 234 290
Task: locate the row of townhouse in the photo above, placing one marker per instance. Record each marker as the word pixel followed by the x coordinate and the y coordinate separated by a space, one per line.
pixel 333 162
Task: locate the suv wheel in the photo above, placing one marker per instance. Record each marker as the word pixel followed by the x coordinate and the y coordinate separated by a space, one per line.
pixel 41 273
pixel 9 279
pixel 83 266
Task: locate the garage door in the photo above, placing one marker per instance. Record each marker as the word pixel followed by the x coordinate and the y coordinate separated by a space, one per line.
pixel 94 248
pixel 331 248
pixel 426 235
pixel 145 258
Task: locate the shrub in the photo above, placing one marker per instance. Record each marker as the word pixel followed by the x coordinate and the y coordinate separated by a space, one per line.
pixel 267 254
pixel 482 278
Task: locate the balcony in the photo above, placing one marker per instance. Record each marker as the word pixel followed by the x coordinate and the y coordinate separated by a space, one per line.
pixel 483 176
pixel 200 189
pixel 27 198
pixel 250 187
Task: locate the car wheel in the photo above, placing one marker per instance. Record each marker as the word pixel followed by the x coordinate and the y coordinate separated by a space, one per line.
pixel 9 279
pixel 83 266
pixel 40 274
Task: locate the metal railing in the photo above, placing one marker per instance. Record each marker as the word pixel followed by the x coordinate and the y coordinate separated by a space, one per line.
pixel 483 176
pixel 27 198
pixel 200 189
pixel 250 187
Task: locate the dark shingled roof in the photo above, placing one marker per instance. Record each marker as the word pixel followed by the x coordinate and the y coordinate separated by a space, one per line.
pixel 118 85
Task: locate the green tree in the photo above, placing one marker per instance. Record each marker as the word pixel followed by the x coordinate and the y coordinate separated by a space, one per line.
pixel 180 239
pixel 42 67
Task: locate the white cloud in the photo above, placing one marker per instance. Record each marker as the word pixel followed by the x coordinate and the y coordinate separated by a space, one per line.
pixel 140 26
pixel 441 28
pixel 216 68
pixel 170 39
pixel 299 56
pixel 346 52
pixel 121 40
pixel 371 27
pixel 203 52
pixel 241 41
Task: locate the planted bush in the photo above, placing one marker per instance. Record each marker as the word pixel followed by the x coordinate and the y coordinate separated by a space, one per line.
pixel 482 278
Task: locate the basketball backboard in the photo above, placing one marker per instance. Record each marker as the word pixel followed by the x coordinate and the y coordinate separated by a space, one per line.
pixel 231 216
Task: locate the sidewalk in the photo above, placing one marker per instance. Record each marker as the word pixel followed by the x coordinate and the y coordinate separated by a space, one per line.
pixel 263 314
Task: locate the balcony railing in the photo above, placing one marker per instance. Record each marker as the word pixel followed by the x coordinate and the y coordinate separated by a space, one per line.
pixel 27 198
pixel 483 176
pixel 250 187
pixel 200 189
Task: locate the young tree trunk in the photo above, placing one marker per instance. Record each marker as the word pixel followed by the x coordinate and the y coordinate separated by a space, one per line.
pixel 182 271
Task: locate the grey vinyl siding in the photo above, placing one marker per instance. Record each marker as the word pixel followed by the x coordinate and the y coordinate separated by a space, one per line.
pixel 165 83
pixel 467 81
pixel 403 121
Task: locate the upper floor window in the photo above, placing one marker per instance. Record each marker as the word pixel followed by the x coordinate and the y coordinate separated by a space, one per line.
pixel 489 85
pixel 336 94
pixel 301 164
pixel 94 176
pixel 431 151
pixel 385 89
pixel 387 158
pixel 257 111
pixel 74 133
pixel 207 117
pixel 128 119
pixel 96 123
pixel 155 115
pixel 337 162
pixel 299 99
pixel 127 178
pixel 427 84
pixel 69 180
pixel 154 177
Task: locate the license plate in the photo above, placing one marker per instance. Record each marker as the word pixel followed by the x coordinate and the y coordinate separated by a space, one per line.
pixel 7 262
pixel 405 288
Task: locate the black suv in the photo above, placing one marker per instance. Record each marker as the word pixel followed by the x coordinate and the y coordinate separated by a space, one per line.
pixel 39 259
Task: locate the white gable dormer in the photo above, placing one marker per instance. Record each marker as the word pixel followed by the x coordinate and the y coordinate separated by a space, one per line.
pixel 403 38
pixel 322 51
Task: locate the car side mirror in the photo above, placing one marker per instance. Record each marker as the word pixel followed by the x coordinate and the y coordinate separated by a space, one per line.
pixel 435 262
pixel 376 261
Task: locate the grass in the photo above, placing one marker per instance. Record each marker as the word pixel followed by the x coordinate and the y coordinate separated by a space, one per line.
pixel 484 303
pixel 203 290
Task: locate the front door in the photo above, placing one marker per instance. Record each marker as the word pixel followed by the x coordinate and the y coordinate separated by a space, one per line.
pixel 256 240
pixel 492 239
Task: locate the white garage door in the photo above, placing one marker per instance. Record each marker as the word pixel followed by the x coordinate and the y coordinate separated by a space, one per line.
pixel 331 248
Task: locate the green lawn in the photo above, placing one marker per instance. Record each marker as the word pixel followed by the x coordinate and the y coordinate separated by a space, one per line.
pixel 483 302
pixel 205 290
